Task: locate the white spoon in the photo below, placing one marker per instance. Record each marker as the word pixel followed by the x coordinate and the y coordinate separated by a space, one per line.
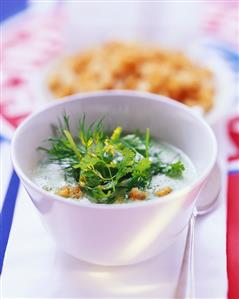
pixel 205 204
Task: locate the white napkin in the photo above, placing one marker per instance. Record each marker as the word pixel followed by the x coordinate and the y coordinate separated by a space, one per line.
pixel 35 267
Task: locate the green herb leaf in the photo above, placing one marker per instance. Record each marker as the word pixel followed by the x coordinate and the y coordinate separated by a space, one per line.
pixel 175 170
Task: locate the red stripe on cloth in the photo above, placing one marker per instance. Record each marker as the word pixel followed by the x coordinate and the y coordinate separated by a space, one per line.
pixel 234 157
pixel 233 236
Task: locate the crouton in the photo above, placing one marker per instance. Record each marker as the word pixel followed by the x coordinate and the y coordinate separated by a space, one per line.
pixel 136 194
pixel 70 191
pixel 163 192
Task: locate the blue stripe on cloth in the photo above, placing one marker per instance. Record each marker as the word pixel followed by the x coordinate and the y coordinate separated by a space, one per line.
pixel 6 215
pixel 229 54
pixel 11 7
pixel 234 171
pixel 4 139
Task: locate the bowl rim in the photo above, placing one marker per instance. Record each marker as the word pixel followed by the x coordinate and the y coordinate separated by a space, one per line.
pixel 106 93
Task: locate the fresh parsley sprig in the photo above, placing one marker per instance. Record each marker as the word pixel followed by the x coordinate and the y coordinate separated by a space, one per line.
pixel 107 166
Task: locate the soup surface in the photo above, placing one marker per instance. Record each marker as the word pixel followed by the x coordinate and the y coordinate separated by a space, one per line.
pixel 111 167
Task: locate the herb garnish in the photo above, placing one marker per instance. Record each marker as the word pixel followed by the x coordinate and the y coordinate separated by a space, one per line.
pixel 107 166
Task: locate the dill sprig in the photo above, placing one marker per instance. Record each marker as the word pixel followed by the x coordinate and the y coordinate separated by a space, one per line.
pixel 107 166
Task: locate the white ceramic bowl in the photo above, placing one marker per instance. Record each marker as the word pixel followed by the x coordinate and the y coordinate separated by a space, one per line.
pixel 117 234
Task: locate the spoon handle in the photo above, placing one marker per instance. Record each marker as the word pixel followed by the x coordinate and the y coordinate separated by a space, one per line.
pixel 185 285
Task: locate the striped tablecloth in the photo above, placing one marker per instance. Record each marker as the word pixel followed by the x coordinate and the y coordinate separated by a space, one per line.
pixel 28 259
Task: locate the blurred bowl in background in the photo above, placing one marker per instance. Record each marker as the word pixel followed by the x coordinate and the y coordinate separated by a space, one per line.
pixel 222 82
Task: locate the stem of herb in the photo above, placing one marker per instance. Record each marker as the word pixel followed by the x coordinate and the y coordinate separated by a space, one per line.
pixel 72 143
pixel 147 138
